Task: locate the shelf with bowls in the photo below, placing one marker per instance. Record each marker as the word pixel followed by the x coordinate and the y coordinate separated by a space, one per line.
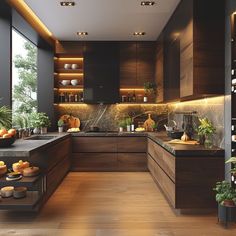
pixel 68 83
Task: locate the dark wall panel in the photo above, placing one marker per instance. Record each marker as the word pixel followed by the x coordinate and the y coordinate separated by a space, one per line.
pixel 5 54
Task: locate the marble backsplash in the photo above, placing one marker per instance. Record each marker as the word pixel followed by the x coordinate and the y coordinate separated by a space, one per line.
pixel 212 108
pixel 106 117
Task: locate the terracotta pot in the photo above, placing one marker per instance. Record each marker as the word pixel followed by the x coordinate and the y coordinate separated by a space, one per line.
pixel 229 203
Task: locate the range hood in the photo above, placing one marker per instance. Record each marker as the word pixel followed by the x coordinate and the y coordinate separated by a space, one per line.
pixel 101 74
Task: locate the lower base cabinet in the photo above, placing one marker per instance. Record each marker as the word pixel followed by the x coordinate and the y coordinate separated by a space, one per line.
pixel 121 154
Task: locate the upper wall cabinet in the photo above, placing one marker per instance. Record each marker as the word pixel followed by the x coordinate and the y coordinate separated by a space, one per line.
pixel 136 63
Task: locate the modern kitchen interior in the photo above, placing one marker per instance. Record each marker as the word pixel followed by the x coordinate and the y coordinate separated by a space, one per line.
pixel 118 118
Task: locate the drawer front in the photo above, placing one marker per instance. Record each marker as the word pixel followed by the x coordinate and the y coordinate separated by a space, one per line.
pixel 132 161
pixel 165 160
pixel 94 162
pixel 94 144
pixel 166 184
pixel 131 144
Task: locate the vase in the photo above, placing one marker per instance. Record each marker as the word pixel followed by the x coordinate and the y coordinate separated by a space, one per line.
pixel 36 131
pixel 44 130
pixel 128 128
pixel 208 141
pixel 121 129
pixel 60 129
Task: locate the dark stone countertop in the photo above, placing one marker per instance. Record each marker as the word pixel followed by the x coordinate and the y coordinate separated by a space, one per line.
pixel 109 134
pixel 24 147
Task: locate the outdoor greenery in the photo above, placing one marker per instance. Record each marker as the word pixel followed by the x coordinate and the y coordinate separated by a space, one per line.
pixel 5 117
pixel 232 161
pixel 24 93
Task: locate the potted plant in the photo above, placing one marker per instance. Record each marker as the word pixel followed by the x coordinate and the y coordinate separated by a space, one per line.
pixel 226 197
pixel 60 124
pixel 5 117
pixel 122 125
pixel 40 121
pixel 128 122
pixel 150 89
pixel 205 131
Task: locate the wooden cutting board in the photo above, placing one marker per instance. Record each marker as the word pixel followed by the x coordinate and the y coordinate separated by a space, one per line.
pixel 178 141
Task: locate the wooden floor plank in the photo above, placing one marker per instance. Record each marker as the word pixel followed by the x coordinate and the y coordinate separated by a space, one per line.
pixel 110 204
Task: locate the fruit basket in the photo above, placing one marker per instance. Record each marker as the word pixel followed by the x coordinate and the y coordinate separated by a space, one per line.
pixel 6 142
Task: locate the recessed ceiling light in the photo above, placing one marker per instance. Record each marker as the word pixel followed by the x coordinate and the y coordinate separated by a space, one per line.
pixel 139 33
pixel 147 3
pixel 82 33
pixel 67 4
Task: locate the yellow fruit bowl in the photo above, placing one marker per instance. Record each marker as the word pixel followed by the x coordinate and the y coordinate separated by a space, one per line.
pixel 6 142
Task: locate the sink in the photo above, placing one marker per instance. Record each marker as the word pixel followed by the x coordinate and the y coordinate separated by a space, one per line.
pixel 41 137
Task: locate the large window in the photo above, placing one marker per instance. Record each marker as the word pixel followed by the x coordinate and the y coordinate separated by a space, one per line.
pixel 24 75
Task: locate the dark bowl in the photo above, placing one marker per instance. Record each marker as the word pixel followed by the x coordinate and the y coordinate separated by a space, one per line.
pixel 6 142
pixel 175 134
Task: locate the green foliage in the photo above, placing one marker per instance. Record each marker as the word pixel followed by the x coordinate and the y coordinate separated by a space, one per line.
pixel 232 161
pixel 24 101
pixel 224 191
pixel 122 123
pixel 128 121
pixel 60 123
pixel 39 119
pixel 5 117
pixel 206 127
pixel 150 87
pixel 21 120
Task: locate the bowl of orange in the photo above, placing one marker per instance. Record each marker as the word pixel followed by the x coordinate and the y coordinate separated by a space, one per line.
pixel 7 137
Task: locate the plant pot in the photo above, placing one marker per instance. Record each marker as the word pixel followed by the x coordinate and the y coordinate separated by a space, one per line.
pixel 128 128
pixel 44 130
pixel 229 203
pixel 145 99
pixel 121 129
pixel 36 131
pixel 226 214
pixel 60 129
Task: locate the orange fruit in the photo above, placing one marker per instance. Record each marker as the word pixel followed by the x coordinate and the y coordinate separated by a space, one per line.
pixel 12 132
pixel 3 131
pixel 6 136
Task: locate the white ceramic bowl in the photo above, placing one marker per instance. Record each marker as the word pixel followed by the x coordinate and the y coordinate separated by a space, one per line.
pixel 74 66
pixel 67 66
pixel 74 82
pixel 65 82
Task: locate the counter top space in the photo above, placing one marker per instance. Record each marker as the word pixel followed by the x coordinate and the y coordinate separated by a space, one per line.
pixel 24 147
pixel 109 134
pixel 184 150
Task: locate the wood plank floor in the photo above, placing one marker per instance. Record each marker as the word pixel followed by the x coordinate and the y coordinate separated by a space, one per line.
pixel 109 204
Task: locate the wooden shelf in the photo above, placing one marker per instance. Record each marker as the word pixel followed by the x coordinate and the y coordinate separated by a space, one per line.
pixel 69 103
pixel 69 71
pixel 70 87
pixel 27 203
pixel 138 103
pixel 24 181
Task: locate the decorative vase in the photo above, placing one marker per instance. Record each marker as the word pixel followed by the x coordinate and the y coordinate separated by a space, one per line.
pixel 60 129
pixel 226 214
pixel 128 128
pixel 44 130
pixel 121 129
pixel 132 128
pixel 36 131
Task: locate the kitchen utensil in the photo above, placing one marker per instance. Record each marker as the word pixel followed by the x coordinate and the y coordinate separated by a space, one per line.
pixel 67 66
pixel 149 123
pixel 6 142
pixel 175 134
pixel 7 191
pixel 65 82
pixel 74 66
pixel 19 192
pixel 31 171
pixel 74 82
pixel 12 176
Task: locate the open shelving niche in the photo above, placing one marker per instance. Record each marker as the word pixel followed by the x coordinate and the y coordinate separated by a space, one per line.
pixel 233 81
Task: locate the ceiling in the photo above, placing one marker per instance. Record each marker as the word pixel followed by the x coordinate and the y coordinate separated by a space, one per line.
pixel 104 19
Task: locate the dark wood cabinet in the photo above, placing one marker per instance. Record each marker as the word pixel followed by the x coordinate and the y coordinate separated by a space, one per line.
pixel 109 153
pixel 187 182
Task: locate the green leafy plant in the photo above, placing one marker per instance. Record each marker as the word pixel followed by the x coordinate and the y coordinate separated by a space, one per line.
pixel 60 123
pixel 39 120
pixel 122 123
pixel 232 161
pixel 5 117
pixel 128 121
pixel 224 191
pixel 206 127
pixel 150 87
pixel 21 120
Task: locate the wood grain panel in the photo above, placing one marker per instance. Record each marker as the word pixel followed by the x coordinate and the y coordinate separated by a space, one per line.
pixel 167 186
pixel 132 161
pixel 131 144
pixel 94 162
pixel 94 144
pixel 163 158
